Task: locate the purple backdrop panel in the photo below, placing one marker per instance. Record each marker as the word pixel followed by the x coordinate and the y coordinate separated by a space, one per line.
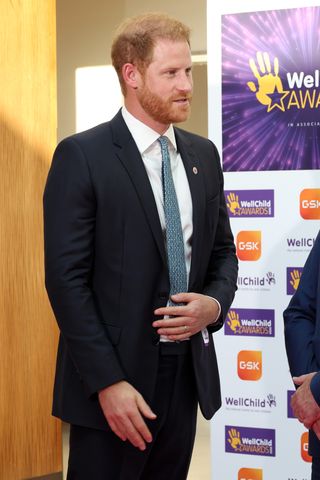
pixel 270 90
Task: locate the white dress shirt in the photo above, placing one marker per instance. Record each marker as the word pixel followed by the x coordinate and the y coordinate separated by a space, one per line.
pixel 150 150
pixel 149 147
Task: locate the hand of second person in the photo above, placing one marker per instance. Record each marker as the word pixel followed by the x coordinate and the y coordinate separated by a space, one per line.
pixel 304 406
pixel 124 408
pixel 197 313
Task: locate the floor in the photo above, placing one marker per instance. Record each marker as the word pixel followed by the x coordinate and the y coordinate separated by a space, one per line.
pixel 200 468
pixel 200 464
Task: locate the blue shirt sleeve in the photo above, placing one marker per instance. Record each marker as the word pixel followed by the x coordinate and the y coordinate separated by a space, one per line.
pixel 315 387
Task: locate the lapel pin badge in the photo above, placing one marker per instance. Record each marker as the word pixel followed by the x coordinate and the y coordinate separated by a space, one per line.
pixel 195 170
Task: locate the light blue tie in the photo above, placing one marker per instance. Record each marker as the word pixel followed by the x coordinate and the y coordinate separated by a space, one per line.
pixel 174 235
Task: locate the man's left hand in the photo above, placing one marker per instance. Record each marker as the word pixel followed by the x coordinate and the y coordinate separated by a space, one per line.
pixel 197 313
pixel 304 406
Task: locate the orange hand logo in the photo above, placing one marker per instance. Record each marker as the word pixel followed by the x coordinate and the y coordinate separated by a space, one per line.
pixel 295 279
pixel 234 438
pixel 268 82
pixel 233 320
pixel 233 202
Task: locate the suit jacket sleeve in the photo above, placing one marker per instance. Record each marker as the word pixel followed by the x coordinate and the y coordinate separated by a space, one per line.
pixel 69 231
pixel 315 387
pixel 222 271
pixel 301 319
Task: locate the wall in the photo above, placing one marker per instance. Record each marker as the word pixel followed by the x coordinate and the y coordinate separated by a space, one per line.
pixel 84 35
pixel 29 437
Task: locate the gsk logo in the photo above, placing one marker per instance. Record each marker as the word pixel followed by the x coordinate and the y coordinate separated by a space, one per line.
pixel 249 245
pixel 250 474
pixel 310 203
pixel 304 447
pixel 250 364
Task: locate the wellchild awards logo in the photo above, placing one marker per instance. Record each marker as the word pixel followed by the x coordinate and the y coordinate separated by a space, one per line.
pixel 250 203
pixel 250 441
pixel 289 408
pixel 251 322
pixel 299 89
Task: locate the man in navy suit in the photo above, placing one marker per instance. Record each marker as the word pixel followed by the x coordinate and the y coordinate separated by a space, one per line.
pixel 131 368
pixel 302 336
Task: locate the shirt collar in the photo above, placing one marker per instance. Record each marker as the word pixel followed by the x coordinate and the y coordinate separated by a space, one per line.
pixel 143 135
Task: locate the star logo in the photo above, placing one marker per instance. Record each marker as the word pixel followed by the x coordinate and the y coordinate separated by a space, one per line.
pixel 277 100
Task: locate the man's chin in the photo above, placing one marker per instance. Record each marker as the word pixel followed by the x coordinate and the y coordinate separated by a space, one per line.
pixel 181 118
pixel 172 117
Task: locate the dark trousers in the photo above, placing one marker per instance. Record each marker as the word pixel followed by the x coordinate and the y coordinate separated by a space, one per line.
pixel 101 455
pixel 315 468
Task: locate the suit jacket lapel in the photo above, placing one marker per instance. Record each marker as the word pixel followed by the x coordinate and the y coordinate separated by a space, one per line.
pixel 197 189
pixel 130 157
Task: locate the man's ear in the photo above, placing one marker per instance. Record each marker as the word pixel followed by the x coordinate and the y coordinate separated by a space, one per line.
pixel 131 75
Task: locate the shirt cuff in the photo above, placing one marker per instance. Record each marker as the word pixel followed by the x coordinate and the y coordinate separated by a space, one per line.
pixel 219 307
pixel 315 387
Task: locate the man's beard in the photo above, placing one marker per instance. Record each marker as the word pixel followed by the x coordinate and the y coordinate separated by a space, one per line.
pixel 164 111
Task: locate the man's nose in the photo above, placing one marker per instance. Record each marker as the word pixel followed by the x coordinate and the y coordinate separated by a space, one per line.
pixel 185 83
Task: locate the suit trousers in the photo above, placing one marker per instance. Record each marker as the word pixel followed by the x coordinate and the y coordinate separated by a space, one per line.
pixel 101 455
pixel 315 468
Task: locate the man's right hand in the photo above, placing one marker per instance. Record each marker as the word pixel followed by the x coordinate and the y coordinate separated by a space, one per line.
pixel 124 408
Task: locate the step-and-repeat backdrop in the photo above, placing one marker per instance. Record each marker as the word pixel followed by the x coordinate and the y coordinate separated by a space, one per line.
pixel 264 116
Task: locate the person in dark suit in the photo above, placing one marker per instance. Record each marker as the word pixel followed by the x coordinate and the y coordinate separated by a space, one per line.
pixel 302 337
pixel 135 354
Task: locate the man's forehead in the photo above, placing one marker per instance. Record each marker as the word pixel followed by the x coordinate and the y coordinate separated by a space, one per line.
pixel 164 49
pixel 168 43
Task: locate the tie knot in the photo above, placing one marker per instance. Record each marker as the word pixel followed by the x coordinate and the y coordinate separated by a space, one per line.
pixel 163 141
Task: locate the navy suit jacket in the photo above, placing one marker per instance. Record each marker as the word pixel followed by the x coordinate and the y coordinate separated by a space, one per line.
pixel 106 268
pixel 302 326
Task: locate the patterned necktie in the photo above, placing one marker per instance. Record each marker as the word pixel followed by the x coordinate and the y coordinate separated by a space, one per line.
pixel 174 235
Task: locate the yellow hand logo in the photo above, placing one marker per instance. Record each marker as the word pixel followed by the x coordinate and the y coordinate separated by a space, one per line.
pixel 233 202
pixel 295 279
pixel 234 439
pixel 268 82
pixel 233 320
